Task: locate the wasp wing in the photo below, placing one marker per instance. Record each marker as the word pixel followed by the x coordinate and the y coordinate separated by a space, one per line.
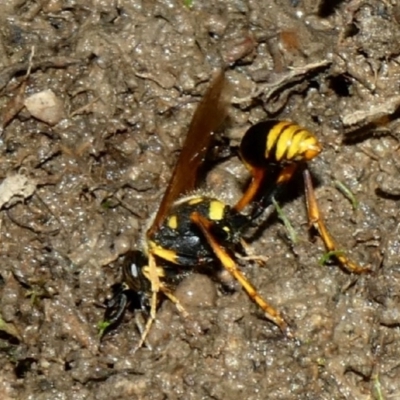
pixel 208 116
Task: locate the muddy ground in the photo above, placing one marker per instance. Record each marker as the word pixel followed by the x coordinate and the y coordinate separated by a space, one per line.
pixel 81 175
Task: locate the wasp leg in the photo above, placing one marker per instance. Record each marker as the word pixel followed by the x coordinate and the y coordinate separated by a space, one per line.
pixel 315 220
pixel 146 330
pixel 167 292
pixel 228 263
pixel 153 275
pixel 251 192
pixel 250 255
pixel 259 206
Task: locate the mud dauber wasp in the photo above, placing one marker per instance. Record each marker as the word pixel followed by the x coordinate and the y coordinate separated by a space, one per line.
pixel 191 231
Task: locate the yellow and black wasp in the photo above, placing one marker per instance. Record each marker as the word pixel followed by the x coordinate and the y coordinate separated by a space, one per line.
pixel 189 232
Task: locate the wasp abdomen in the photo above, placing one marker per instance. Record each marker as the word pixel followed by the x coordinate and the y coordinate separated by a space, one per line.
pixel 277 142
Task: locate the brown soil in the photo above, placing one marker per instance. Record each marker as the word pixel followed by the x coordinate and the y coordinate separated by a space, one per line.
pixel 80 182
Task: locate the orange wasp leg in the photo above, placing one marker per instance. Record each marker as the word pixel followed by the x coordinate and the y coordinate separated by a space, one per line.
pixel 248 196
pixel 228 263
pixel 258 175
pixel 315 220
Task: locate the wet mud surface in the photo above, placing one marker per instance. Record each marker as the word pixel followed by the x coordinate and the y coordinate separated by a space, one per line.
pixel 85 163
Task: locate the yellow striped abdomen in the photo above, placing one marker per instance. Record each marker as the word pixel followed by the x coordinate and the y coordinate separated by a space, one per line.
pixel 277 142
